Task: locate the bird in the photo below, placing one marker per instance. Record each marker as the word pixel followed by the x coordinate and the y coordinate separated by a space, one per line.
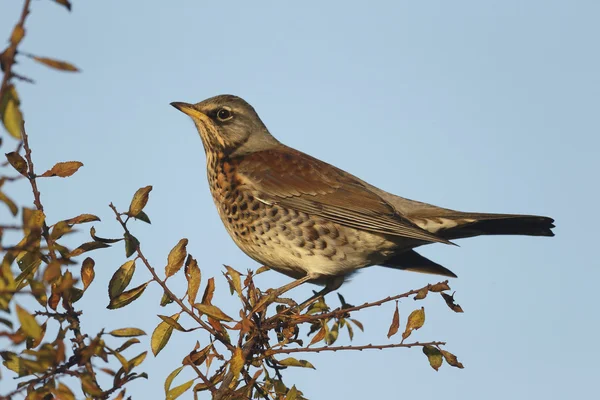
pixel 314 222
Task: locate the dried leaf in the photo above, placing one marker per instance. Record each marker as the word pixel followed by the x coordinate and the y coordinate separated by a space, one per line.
pixel 421 294
pixel 193 276
pixel 103 240
pixel 171 377
pixel 89 246
pixel 176 258
pixel 83 218
pixel 65 3
pixel 179 390
pixel 17 162
pixel 56 64
pixel 292 362
pixel 358 324
pixel 209 291
pixel 262 269
pixel 212 311
pixel 127 297
pixel 11 115
pixel 9 203
pixel 127 332
pixel 28 324
pixel 63 169
pixel 235 278
pixel 161 335
pixel 87 272
pixel 131 244
pixel 237 363
pixel 434 356
pixel 451 359
pixel 173 322
pixel 450 302
pixel 319 336
pixel 62 392
pixel 139 201
pixel 439 287
pixel 416 319
pixel 120 279
pixel 395 322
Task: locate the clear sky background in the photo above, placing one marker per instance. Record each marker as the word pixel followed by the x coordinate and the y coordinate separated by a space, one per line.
pixel 476 105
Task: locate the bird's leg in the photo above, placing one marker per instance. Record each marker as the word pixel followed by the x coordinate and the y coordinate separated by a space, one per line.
pixel 278 292
pixel 313 298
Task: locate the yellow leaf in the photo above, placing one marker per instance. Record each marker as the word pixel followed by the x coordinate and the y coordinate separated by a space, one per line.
pixel 127 297
pixel 212 311
pixel 137 360
pixel 171 377
pixel 87 272
pixel 209 291
pixel 127 332
pixel 161 335
pixel 236 363
pixel 120 279
pixel 56 64
pixel 179 390
pixel 292 394
pixel 292 362
pixel 395 322
pixel 63 169
pixel 173 322
pixel 193 276
pixel 416 319
pixel 28 324
pixel 235 278
pixel 9 203
pixel 83 218
pixel 318 337
pixel 11 115
pixel 17 162
pixel 62 392
pixel 176 258
pixel 434 356
pixel 139 201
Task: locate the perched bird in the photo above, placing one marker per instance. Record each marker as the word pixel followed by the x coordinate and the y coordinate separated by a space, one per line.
pixel 314 222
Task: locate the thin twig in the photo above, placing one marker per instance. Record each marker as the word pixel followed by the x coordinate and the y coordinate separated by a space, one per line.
pixel 359 348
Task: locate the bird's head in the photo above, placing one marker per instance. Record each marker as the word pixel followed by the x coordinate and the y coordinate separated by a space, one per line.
pixel 228 124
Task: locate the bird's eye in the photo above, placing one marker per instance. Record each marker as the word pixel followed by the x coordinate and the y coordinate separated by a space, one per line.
pixel 224 114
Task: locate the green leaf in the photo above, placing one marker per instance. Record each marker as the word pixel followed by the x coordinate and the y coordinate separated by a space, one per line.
pixel 179 390
pixel 213 311
pixel 139 201
pixel 171 377
pixel 161 335
pixel 127 297
pixel 434 356
pixel 292 362
pixel 127 332
pixel 11 115
pixel 17 162
pixel 120 279
pixel 131 244
pixel 142 216
pixel 29 325
pixel 176 258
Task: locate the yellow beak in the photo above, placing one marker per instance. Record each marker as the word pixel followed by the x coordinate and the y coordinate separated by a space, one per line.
pixel 188 109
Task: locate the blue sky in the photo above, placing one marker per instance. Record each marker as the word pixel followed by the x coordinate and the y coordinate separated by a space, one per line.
pixel 478 106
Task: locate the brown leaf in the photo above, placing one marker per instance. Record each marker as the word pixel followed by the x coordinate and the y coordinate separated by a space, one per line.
pixel 127 332
pixel 421 294
pixel 120 279
pixel 209 291
pixel 83 218
pixel 434 356
pixel 10 114
pixel 176 258
pixel 439 287
pixel 193 276
pixel 65 3
pixel 87 272
pixel 139 201
pixel 318 337
pixel 451 359
pixel 161 335
pixel 17 162
pixel 103 240
pixel 17 35
pixel 395 322
pixel 63 169
pixel 212 311
pixel 416 319
pixel 236 280
pixel 127 297
pixel 450 302
pixel 56 64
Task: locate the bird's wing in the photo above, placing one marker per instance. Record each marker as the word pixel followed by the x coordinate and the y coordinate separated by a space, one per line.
pixel 295 180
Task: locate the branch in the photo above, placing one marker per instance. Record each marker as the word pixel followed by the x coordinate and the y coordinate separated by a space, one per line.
pixel 11 51
pixel 359 348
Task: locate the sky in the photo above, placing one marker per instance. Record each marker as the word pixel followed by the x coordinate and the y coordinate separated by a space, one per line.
pixel 477 106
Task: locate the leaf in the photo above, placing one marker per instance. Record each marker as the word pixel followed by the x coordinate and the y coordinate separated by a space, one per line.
pixel 193 276
pixel 292 394
pixel 235 278
pixel 209 291
pixel 87 272
pixel 262 269
pixel 171 377
pixel 450 302
pixel 292 362
pixel 416 319
pixel 17 162
pixel 81 219
pixel 358 324
pixel 103 240
pixel 161 335
pixel 179 390
pixel 127 332
pixel 62 392
pixel 421 294
pixel 65 3
pixel 131 244
pixel 139 201
pixel 439 287
pixel 318 337
pixel 142 216
pixel 11 115
pixel 135 361
pixel 89 246
pixel 127 297
pixel 28 324
pixel 434 356
pixel 165 299
pixel 120 279
pixel 9 203
pixel 63 169
pixel 332 335
pixel 176 258
pixel 127 344
pixel 60 229
pixel 56 64
pixel 237 363
pixel 451 359
pixel 212 311
pixel 173 322
pixel 395 322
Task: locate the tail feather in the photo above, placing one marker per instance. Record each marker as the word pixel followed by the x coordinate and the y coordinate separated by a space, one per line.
pixel 413 261
pixel 475 224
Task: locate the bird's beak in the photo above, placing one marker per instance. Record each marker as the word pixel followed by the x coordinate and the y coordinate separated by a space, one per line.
pixel 187 109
